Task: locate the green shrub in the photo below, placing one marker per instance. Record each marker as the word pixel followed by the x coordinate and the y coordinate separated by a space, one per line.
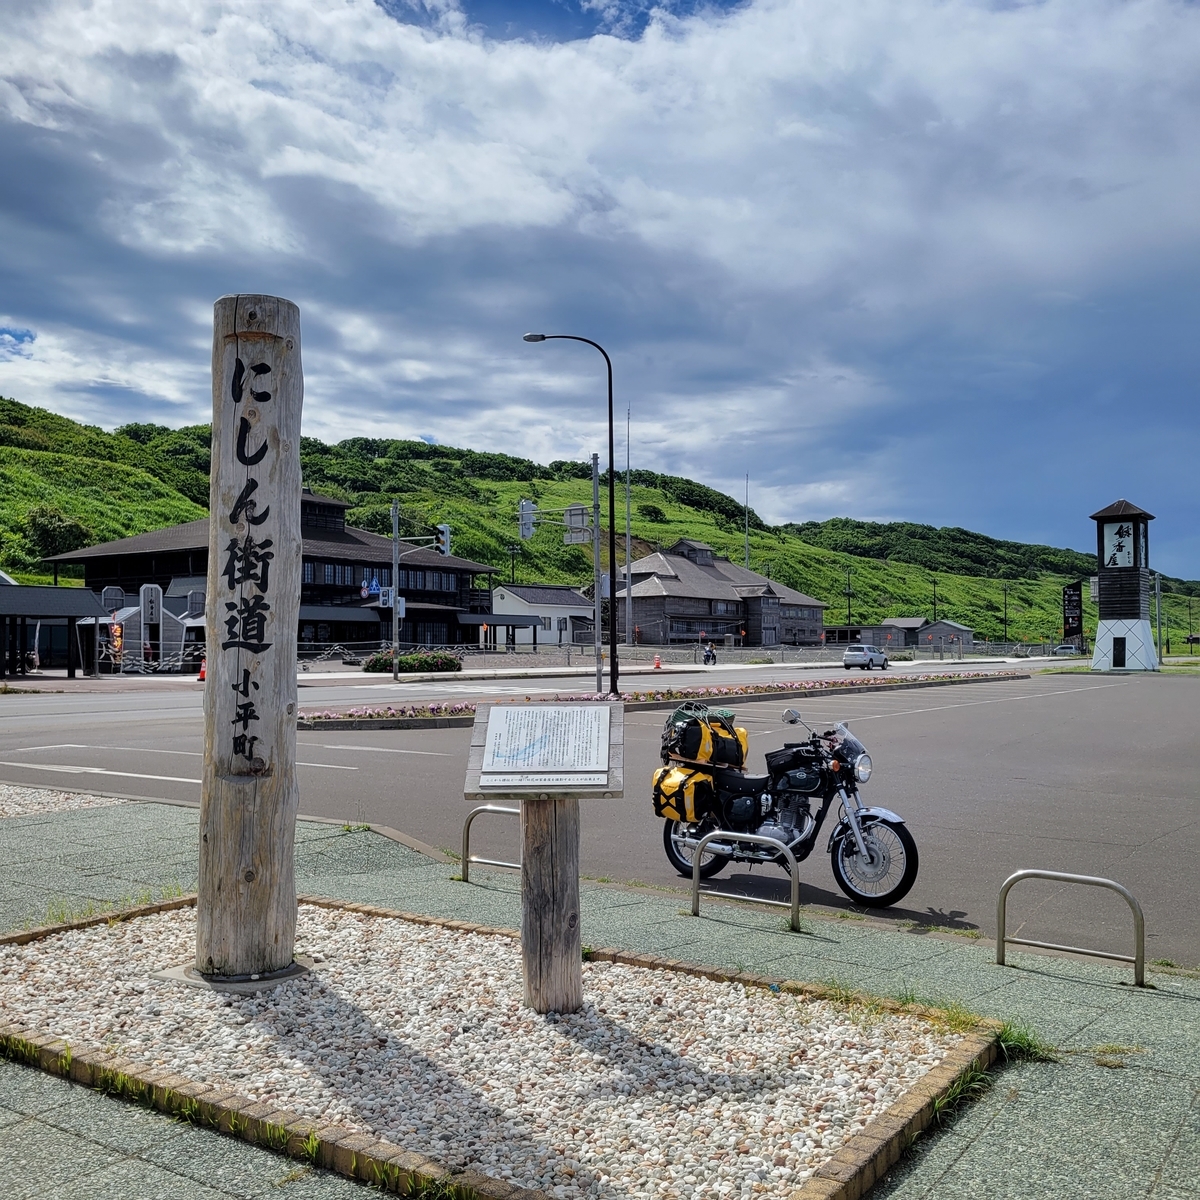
pixel 409 663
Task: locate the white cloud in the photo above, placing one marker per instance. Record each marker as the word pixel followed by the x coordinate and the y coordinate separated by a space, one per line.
pixel 767 209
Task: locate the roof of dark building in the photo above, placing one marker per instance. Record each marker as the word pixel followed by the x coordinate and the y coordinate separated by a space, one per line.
pixel 552 594
pixel 192 535
pixel 49 602
pixel 349 545
pixel 1122 508
pixel 309 494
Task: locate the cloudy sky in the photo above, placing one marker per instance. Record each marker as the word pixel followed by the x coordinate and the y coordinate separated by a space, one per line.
pixel 934 260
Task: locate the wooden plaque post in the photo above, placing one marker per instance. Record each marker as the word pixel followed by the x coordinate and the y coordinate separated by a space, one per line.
pixel 246 910
pixel 549 758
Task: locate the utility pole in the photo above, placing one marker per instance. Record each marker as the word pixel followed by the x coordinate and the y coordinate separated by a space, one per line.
pixel 1158 613
pixel 395 579
pixel 935 599
pixel 1006 612
pixel 747 515
pixel 513 551
pixel 628 544
pixel 1191 644
pixel 596 571
pixel 849 594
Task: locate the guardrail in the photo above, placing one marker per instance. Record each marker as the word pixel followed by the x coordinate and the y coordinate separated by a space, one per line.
pixel 467 860
pixel 1139 923
pixel 760 840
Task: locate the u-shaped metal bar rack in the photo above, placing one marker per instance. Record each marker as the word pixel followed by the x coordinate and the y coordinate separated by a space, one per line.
pixel 467 860
pixel 1139 923
pixel 760 840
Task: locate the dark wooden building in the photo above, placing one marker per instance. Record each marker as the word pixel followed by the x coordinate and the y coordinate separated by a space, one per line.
pixel 688 593
pixel 343 571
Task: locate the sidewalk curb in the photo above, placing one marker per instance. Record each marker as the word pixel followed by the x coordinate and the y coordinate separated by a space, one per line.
pixel 848 1175
pixel 468 720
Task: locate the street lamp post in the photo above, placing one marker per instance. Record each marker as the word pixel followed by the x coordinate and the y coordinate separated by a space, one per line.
pixel 614 670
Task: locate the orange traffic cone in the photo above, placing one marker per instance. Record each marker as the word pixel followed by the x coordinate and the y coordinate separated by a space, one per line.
pixel 203 669
pixel 657 663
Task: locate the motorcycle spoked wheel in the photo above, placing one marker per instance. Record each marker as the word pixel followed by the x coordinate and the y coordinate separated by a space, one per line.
pixel 680 857
pixel 888 877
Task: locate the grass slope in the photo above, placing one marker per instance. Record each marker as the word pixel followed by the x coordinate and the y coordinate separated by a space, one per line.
pixel 145 476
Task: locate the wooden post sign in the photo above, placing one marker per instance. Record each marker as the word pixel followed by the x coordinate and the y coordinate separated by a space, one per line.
pixel 549 757
pixel 246 909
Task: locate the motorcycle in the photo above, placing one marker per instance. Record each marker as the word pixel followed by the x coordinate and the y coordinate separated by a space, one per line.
pixel 873 855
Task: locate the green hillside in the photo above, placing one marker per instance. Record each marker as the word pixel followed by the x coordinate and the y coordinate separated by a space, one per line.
pixel 50 503
pixel 98 485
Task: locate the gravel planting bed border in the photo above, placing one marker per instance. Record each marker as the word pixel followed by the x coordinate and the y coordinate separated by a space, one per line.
pixel 852 1171
pixel 716 696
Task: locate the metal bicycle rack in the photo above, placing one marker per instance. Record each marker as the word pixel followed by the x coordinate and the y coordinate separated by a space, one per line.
pixel 762 841
pixel 1139 924
pixel 467 860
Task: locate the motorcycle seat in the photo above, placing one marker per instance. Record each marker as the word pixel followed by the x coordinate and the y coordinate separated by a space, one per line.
pixel 728 779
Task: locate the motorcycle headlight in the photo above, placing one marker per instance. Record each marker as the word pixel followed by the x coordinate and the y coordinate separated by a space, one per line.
pixel 862 768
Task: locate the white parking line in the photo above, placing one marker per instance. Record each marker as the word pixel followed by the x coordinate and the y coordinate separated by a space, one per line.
pixel 150 750
pixel 65 770
pixel 378 749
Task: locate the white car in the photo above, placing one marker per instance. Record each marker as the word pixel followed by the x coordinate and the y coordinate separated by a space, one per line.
pixel 1066 651
pixel 865 657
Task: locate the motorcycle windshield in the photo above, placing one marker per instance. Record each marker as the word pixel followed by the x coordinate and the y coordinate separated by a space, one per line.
pixel 849 747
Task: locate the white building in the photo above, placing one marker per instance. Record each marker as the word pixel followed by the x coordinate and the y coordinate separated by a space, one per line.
pixel 556 611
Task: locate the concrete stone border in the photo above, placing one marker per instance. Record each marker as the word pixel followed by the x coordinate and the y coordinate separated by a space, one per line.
pixel 468 720
pixel 853 1170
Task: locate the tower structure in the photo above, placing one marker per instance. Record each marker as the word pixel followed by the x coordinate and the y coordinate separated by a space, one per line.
pixel 1124 639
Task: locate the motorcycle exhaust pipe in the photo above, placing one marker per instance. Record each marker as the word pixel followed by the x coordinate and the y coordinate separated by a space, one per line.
pixel 727 850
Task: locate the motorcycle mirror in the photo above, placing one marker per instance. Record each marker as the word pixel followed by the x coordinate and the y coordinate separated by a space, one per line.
pixel 791 716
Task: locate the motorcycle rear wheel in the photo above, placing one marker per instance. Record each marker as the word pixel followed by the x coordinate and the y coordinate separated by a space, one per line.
pixel 890 874
pixel 680 857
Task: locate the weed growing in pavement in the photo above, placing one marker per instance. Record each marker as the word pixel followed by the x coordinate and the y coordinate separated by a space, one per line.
pixel 310 1148
pixel 850 916
pixel 785 923
pixel 362 828
pixel 969 1085
pixel 273 1136
pixel 1162 962
pixel 1018 1043
pixel 293 1176
pixel 65 911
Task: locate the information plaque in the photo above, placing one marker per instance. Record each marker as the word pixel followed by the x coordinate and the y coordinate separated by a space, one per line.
pixel 556 750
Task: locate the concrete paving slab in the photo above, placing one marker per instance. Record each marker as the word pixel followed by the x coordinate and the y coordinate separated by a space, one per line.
pixel 37 1160
pixel 135 1180
pixel 111 1124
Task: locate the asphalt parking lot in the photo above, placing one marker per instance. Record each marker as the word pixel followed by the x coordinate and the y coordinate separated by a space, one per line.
pixel 1067 772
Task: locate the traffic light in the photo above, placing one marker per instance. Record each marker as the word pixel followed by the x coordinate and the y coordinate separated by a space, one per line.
pixel 526 512
pixel 443 539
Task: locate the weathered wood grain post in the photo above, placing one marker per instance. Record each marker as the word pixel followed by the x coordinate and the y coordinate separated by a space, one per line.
pixel 246 910
pixel 551 947
pixel 549 757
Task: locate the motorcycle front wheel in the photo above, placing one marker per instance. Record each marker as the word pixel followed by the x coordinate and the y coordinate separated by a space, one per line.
pixel 680 857
pixel 887 876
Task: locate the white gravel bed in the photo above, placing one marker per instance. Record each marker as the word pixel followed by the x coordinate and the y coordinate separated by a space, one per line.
pixel 664 1085
pixel 24 801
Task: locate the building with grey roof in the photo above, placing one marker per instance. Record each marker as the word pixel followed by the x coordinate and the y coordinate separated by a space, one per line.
pixel 689 593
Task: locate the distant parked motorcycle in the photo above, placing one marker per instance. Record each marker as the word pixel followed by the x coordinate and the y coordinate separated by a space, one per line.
pixel 703 787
